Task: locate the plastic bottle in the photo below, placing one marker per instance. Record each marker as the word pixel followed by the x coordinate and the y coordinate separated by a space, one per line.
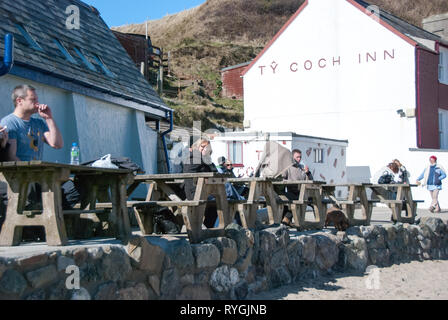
pixel 74 154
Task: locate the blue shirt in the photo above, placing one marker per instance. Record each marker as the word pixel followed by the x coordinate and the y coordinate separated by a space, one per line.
pixel 28 134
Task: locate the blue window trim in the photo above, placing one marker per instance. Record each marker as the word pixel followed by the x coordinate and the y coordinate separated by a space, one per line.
pixel 103 66
pixel 64 51
pixel 31 42
pixel 84 59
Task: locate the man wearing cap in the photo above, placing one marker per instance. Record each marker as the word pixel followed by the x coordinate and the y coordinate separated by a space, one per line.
pixel 432 178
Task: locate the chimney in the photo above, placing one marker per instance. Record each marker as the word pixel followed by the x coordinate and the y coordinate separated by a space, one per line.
pixel 437 24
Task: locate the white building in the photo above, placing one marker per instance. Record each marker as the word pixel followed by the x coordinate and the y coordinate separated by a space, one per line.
pixel 347 70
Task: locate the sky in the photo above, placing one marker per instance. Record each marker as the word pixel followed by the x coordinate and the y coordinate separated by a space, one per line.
pixel 120 12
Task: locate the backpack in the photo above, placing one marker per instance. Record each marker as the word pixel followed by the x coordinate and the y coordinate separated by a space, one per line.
pixel 386 178
pixel 122 163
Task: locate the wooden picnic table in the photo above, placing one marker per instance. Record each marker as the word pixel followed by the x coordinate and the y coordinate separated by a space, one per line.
pixel 309 195
pixel 50 176
pixel 258 187
pixel 356 195
pixel 401 194
pixel 207 184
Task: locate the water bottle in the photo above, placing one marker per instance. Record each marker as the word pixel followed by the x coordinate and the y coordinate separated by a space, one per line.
pixel 74 154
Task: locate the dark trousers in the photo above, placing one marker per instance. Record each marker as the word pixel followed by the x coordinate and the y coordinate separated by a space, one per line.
pixel 291 195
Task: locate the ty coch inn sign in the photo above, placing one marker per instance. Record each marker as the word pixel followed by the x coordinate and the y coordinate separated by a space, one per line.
pixel 309 65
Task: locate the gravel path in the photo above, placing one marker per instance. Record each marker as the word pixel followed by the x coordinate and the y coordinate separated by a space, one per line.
pixel 416 280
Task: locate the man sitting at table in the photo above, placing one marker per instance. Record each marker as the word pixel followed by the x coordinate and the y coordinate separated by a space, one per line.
pixel 28 134
pixel 296 172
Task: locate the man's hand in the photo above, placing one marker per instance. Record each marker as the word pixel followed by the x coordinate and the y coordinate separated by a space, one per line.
pixel 306 168
pixel 4 136
pixel 44 111
pixel 418 183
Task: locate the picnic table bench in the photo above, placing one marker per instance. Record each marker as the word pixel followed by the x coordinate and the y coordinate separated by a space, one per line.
pixel 162 193
pixel 50 176
pixel 401 197
pixel 309 195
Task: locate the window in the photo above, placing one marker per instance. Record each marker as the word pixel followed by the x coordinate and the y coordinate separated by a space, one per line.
pixel 31 42
pixel 443 65
pixel 235 152
pixel 443 129
pixel 106 70
pixel 64 51
pixel 318 155
pixel 84 59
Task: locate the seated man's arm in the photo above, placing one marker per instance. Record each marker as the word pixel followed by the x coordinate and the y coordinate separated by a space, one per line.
pixel 53 137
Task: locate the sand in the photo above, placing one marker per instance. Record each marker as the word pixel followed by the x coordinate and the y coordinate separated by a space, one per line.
pixel 416 280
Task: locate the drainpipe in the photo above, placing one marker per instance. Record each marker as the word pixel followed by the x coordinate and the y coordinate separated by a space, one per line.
pixel 8 58
pixel 170 114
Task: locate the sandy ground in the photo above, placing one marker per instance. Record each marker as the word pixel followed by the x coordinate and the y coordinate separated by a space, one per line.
pixel 417 280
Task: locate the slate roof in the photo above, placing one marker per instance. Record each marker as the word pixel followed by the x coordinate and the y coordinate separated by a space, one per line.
pixel 45 20
pixel 403 26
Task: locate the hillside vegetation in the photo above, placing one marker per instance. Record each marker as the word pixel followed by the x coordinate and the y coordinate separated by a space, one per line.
pixel 221 33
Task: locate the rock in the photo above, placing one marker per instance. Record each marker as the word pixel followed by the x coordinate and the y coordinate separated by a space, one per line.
pixel 223 279
pixel 258 286
pixel 250 274
pixel 195 292
pixel 95 253
pixel 238 234
pixel 187 279
pixel 308 248
pixel 342 236
pixel 206 255
pixel 379 257
pixel 139 292
pixel 250 238
pixel 268 245
pixel 241 290
pixel 33 262
pixel 80 255
pixel 227 248
pixel 279 258
pixel 436 225
pixel 42 277
pixel 2 269
pixel 38 295
pixel 280 277
pixel 354 231
pixel 63 262
pixel 12 282
pixel 356 254
pixel 116 265
pixel 178 251
pixel 145 256
pixel 425 244
pixel 243 263
pixel 281 234
pixel 107 291
pixel 169 286
pixel 59 292
pixel 327 252
pixel 81 294
pixel 154 283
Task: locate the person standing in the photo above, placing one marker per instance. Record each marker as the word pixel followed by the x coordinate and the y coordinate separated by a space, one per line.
pixel 432 178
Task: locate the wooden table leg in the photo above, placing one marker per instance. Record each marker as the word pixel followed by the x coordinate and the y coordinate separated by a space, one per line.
pixel 274 210
pixel 119 214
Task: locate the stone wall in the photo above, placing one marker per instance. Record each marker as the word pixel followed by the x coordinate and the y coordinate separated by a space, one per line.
pixel 233 267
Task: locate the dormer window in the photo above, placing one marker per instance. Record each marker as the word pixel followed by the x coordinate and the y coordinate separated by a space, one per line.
pixel 103 67
pixel 64 51
pixel 83 58
pixel 31 42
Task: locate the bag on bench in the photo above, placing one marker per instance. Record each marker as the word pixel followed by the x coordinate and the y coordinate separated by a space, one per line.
pixel 165 222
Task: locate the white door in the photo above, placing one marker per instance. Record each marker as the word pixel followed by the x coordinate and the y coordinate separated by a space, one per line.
pixel 443 129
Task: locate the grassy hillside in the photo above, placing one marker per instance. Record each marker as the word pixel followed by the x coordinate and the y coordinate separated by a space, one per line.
pixel 221 33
